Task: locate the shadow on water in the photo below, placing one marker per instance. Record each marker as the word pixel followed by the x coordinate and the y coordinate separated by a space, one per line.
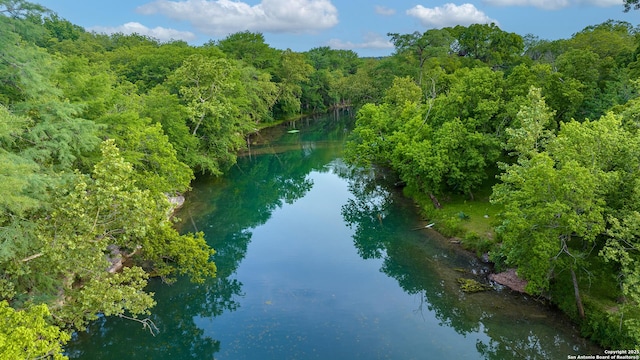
pixel 428 265
pixel 201 321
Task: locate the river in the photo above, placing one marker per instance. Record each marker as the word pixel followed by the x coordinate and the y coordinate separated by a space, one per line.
pixel 317 260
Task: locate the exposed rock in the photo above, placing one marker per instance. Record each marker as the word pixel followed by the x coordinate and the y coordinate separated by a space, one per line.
pixel 115 258
pixel 509 279
pixel 176 201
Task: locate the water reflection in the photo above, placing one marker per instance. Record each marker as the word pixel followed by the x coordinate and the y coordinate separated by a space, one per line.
pixel 226 210
pixel 268 301
pixel 429 266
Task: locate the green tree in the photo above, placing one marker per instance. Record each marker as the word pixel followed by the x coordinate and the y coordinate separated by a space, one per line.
pixel 475 96
pixel 558 202
pixel 154 159
pixel 419 48
pixel 548 209
pixel 326 86
pixel 251 48
pixel 363 86
pixel 150 64
pixel 86 225
pixel 261 94
pixel 292 71
pixel 212 93
pixel 489 44
pixel 430 158
pixel 27 334
pixel 57 136
pixel 369 140
pixel 530 133
pixel 165 108
pixel 623 248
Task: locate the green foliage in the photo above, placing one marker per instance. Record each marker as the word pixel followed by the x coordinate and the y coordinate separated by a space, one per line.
pixel 213 95
pixel 623 248
pixel 474 242
pixel 92 218
pixel 251 49
pixel 611 39
pixel 545 208
pixel 475 96
pixel 149 64
pixel 429 155
pixel 605 325
pixel 27 334
pixel 329 84
pixel 489 44
pixel 531 127
pixel 293 70
pixel 16 172
pixel 417 49
pixel 436 111
pixel 53 134
pixel 147 148
pixel 114 295
pixel 565 199
pixel 154 235
pixel 166 109
pixel 369 142
pixel 403 91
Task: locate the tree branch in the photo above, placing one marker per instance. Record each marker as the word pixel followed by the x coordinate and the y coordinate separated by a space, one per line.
pixel 146 324
pixel 34 256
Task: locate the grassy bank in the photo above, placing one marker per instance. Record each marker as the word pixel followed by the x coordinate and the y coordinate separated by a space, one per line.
pixel 473 223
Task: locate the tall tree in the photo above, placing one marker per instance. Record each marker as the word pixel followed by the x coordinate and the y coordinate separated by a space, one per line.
pixel 418 48
pixel 293 70
pixel 212 91
pixel 489 44
pixel 560 197
pixel 251 48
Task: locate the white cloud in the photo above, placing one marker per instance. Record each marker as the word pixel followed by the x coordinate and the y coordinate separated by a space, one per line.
pixel 371 41
pixel 385 11
pixel 159 33
pixel 450 15
pixel 222 17
pixel 554 4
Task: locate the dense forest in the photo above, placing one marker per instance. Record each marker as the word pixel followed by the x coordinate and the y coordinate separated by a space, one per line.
pixel 98 132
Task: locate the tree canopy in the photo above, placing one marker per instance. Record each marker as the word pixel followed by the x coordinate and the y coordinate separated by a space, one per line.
pixel 98 131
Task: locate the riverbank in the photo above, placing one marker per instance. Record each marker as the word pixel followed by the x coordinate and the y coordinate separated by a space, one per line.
pixel 472 224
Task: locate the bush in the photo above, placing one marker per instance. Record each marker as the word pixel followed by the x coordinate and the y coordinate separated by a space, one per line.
pixel 607 329
pixel 450 227
pixel 474 242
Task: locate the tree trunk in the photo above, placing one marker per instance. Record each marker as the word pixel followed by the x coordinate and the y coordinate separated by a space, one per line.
pixel 197 125
pixel 435 201
pixel 576 291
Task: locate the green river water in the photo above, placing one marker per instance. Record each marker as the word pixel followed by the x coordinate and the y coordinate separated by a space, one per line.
pixel 317 260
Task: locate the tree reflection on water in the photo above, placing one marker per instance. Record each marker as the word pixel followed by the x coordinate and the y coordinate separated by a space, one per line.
pixel 427 265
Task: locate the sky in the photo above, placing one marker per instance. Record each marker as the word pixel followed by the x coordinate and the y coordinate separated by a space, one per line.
pixel 357 25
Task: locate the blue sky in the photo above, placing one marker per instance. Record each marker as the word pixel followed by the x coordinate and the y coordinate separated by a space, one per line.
pixel 358 25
